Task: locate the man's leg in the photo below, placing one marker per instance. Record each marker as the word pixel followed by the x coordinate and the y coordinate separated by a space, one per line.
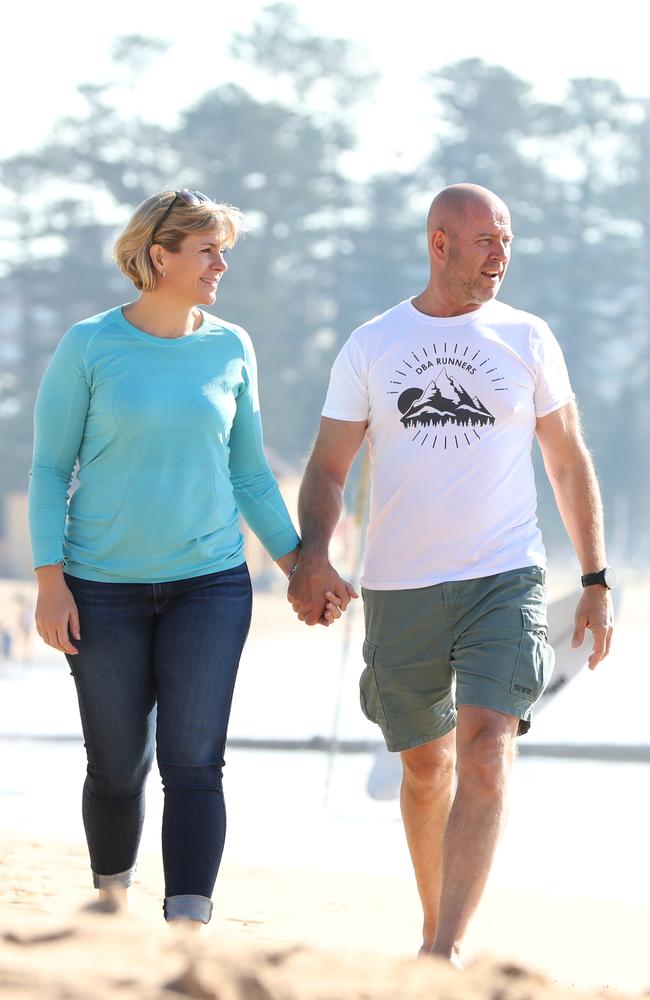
pixel 485 745
pixel 425 798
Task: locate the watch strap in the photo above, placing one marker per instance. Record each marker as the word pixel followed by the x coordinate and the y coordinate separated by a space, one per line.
pixel 590 579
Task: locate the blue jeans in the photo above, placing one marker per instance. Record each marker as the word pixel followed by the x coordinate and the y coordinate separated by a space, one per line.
pixel 156 670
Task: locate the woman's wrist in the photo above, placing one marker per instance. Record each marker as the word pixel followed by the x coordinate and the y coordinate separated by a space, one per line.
pixel 289 563
pixel 51 574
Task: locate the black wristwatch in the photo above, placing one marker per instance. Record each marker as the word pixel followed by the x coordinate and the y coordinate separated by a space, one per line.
pixel 606 578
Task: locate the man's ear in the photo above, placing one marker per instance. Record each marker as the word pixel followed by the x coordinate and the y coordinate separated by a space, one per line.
pixel 438 244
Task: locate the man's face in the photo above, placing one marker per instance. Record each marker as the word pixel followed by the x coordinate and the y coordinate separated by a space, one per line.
pixel 478 256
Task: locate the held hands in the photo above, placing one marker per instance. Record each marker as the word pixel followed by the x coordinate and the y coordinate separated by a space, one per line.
pixel 317 593
pixel 594 612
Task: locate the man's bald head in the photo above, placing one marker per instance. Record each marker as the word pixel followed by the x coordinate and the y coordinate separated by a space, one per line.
pixel 454 204
pixel 468 237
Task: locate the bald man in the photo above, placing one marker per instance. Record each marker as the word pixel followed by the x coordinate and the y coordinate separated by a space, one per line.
pixel 450 388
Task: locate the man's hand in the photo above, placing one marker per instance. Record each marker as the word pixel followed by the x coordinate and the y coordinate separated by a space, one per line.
pixel 314 585
pixel 594 612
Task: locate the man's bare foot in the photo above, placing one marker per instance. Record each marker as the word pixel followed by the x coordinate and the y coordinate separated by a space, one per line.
pixel 452 955
pixel 453 958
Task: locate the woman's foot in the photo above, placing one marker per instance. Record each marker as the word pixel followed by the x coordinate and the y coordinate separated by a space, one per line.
pixel 184 925
pixel 113 899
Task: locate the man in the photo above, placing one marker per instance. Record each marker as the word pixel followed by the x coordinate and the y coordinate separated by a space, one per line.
pixel 450 388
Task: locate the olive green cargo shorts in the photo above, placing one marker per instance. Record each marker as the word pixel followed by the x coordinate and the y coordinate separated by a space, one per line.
pixel 469 642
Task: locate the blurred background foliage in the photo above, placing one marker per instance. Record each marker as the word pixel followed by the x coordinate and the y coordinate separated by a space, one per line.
pixel 327 251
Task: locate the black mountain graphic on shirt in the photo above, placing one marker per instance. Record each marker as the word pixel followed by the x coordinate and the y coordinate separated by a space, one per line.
pixel 444 401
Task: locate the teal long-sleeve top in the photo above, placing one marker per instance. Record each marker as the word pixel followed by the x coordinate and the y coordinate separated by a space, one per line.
pixel 168 439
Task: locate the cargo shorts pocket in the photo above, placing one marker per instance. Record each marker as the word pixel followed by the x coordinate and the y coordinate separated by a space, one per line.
pixel 534 661
pixel 371 703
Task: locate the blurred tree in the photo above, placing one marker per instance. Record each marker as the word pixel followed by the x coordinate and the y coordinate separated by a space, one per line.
pixel 328 73
pixel 627 462
pixel 592 276
pixel 385 256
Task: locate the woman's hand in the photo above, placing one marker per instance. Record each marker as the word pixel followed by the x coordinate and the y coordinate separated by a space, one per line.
pixel 316 592
pixel 56 615
pixel 332 609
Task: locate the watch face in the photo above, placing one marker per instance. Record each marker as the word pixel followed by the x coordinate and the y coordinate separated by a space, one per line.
pixel 609 577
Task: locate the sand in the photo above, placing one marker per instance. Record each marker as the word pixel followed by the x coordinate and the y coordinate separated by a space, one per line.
pixel 297 935
pixel 294 935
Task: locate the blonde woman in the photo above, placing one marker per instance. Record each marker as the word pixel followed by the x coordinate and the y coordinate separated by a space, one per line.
pixel 141 573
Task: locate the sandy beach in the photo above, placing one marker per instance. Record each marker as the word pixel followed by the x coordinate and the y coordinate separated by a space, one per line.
pixel 289 923
pixel 291 935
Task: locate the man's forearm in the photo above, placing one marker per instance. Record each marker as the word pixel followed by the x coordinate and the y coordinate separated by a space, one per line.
pixel 578 499
pixel 319 508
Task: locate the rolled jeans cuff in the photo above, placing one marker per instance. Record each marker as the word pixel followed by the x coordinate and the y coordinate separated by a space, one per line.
pixel 188 908
pixel 126 879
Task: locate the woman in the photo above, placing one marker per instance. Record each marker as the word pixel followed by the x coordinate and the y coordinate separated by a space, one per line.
pixel 142 580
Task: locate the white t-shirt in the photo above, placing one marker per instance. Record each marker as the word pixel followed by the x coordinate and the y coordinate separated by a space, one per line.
pixel 451 405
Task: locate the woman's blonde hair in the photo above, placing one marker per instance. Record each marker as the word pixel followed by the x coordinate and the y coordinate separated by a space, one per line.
pixel 132 248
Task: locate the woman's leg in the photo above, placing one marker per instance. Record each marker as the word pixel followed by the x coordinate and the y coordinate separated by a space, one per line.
pixel 199 639
pixel 113 674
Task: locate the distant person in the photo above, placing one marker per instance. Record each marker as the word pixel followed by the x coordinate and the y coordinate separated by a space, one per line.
pixel 6 641
pixel 450 388
pixel 141 575
pixel 25 624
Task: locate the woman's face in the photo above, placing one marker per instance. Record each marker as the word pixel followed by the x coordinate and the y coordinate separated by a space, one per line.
pixel 193 272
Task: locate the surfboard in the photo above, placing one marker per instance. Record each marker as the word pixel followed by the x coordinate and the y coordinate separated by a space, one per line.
pixel 385 774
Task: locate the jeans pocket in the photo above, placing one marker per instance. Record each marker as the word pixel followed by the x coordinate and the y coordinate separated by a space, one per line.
pixel 371 703
pixel 534 663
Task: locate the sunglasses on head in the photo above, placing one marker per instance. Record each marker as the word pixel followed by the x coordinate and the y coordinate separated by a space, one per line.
pixel 191 198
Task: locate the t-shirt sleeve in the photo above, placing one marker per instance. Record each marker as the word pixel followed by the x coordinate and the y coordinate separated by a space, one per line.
pixel 553 387
pixel 347 395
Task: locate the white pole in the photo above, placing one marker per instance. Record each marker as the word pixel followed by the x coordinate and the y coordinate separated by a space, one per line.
pixel 360 519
